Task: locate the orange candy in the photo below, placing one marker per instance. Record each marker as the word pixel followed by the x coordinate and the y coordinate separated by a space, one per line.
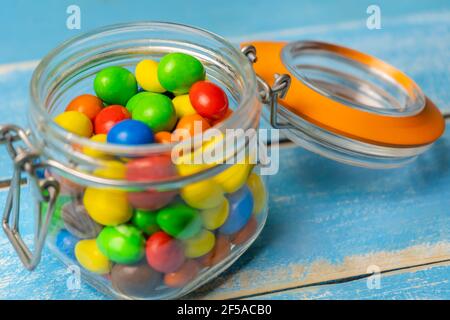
pixel 86 103
pixel 226 116
pixel 163 137
pixel 246 232
pixel 221 251
pixel 182 276
pixel 193 124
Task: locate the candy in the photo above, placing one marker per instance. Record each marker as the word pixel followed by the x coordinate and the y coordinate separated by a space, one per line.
pixel 130 132
pixel 93 152
pixel 138 280
pixel 199 245
pixel 188 126
pixel 205 194
pixel 91 258
pixel 152 168
pixel 241 206
pixel 65 242
pixel 163 137
pixel 209 100
pixel 178 71
pixel 215 217
pixel 246 232
pixel 88 104
pixel 179 221
pixel 111 169
pixel 108 117
pixel 147 76
pixel 107 206
pixel 164 253
pixel 78 222
pixel 115 85
pixel 133 102
pixel 75 122
pixel 234 177
pixel 220 251
pixel 145 221
pixel 122 244
pixel 156 111
pixel 225 117
pixel 258 191
pixel 56 222
pixel 183 106
pixel 187 272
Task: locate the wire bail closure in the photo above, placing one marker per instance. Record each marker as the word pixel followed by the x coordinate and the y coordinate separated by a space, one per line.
pixel 26 159
pixel 269 95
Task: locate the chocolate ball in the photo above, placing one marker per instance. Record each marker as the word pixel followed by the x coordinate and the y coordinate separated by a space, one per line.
pixel 138 280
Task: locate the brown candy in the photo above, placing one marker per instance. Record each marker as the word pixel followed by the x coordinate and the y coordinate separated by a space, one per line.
pixel 78 222
pixel 246 232
pixel 220 251
pixel 138 280
pixel 182 276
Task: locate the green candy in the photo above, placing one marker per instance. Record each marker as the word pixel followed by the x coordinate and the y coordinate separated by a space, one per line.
pixel 179 221
pixel 145 221
pixel 155 110
pixel 115 85
pixel 132 103
pixel 56 222
pixel 177 72
pixel 122 244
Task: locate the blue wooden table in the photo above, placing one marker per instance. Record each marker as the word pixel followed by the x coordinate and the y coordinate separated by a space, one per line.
pixel 331 226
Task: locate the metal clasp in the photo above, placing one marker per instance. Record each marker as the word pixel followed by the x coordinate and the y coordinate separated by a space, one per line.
pixel 269 95
pixel 26 159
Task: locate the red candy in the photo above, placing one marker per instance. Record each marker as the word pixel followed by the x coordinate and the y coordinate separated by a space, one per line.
pixel 108 117
pixel 209 100
pixel 153 168
pixel 164 253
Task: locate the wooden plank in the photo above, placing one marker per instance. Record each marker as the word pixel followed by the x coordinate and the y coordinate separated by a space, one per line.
pixel 424 283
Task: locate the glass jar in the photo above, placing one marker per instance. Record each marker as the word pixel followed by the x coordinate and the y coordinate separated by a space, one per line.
pixel 141 222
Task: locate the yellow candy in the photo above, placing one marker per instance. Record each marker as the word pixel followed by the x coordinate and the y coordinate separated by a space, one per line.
pixel 109 207
pixel 256 186
pixel 90 257
pixel 92 152
pixel 111 170
pixel 147 76
pixel 215 217
pixel 233 178
pixel 183 106
pixel 75 122
pixel 204 194
pixel 199 245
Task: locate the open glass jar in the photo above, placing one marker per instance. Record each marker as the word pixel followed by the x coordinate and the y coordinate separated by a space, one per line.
pixel 166 227
pixel 140 221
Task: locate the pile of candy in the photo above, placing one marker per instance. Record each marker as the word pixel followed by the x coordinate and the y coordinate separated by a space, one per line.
pixel 152 239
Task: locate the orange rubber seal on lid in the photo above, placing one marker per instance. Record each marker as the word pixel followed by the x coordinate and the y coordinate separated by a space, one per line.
pixel 406 131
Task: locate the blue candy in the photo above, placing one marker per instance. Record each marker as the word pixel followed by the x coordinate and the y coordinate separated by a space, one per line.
pixel 241 207
pixel 65 242
pixel 130 132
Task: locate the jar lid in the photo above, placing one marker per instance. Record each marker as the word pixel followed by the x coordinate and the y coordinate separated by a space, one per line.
pixel 348 100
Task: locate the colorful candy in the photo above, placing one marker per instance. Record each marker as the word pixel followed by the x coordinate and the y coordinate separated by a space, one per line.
pixel 183 106
pixel 93 152
pixel 66 242
pixel 215 217
pixel 234 177
pixel 220 251
pixel 190 125
pixel 108 117
pixel 75 122
pixel 91 258
pixel 78 222
pixel 137 280
pixel 199 245
pixel 163 137
pixel 209 100
pixel 204 194
pixel 115 85
pixel 145 221
pixel 122 244
pixel 246 232
pixel 177 72
pixel 241 207
pixel 130 132
pixel 86 103
pixel 156 111
pixel 258 191
pixel 164 253
pixel 107 206
pixel 153 168
pixel 187 272
pixel 179 221
pixel 147 76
